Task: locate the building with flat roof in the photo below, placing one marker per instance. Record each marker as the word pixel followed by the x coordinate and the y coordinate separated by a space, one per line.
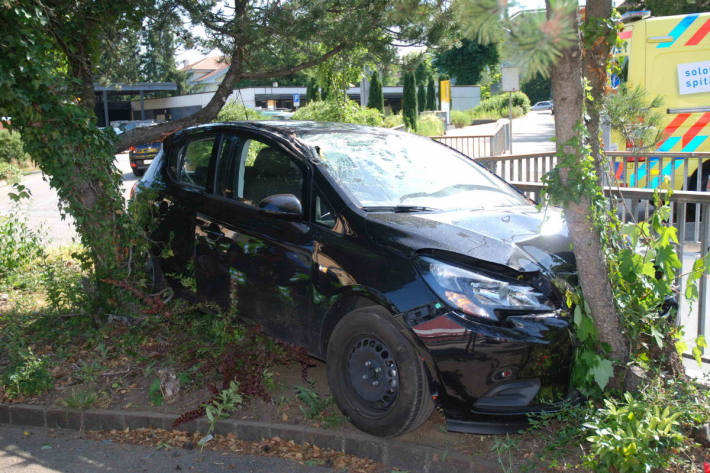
pixel 282 98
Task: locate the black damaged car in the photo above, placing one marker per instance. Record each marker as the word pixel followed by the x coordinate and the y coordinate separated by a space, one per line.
pixel 419 276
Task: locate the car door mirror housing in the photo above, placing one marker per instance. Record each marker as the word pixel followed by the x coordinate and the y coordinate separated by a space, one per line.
pixel 282 205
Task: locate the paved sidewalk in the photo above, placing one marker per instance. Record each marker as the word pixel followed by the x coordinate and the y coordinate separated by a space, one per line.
pixel 532 133
pixel 41 450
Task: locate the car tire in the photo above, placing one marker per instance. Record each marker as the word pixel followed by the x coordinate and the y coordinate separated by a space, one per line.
pixel 376 375
pixel 138 172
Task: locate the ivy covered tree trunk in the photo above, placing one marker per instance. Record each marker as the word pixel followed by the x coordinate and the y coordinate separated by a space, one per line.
pixel 568 93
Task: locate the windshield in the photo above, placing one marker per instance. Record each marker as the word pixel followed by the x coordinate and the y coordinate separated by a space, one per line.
pixel 390 169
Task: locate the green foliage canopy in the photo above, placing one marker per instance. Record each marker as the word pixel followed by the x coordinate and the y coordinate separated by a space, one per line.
pixel 666 7
pixel 343 111
pixel 409 101
pixel 537 88
pixel 421 98
pixel 466 61
pixel 431 95
pixel 376 98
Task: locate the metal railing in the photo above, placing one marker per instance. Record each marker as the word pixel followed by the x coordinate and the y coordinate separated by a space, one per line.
pixel 520 167
pixel 626 169
pixel 648 170
pixel 645 170
pixel 494 144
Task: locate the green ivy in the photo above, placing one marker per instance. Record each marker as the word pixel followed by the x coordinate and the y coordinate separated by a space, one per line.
pixel 643 265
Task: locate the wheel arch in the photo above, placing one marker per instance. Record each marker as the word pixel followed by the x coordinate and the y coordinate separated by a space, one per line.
pixel 357 298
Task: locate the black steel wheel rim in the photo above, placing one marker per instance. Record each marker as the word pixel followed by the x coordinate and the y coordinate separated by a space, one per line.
pixel 372 373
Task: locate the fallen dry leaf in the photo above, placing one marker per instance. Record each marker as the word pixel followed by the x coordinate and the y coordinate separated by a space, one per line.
pixel 274 447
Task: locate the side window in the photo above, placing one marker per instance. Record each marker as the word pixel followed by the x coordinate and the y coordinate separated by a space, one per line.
pixel 323 212
pixel 227 167
pixel 266 170
pixel 194 161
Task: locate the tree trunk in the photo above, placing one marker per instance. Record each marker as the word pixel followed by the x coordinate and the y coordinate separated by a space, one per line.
pixel 568 93
pixel 595 61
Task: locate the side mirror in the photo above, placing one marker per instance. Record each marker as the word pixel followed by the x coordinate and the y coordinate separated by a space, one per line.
pixel 282 205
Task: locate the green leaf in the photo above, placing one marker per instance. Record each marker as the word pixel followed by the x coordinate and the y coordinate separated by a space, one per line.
pixel 603 372
pixel 577 315
pixel 155 393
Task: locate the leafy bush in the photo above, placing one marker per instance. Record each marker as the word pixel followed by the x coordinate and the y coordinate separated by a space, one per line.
pixel 460 119
pixel 19 247
pixel 344 111
pixel 223 405
pixel 62 280
pixel 479 113
pixel 26 376
pixel 12 148
pixel 430 125
pixel 392 121
pixel 633 114
pixel 10 172
pixel 81 399
pixel 316 407
pixel 234 111
pixel 498 106
pixel 633 435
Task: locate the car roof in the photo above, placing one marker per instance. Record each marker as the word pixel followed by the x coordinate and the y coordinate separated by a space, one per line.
pixel 289 128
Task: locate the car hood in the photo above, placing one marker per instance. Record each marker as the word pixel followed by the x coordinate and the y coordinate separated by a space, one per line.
pixel 522 237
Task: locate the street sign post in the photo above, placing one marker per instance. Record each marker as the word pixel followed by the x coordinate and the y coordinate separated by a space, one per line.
pixel 296 101
pixel 510 79
pixel 445 96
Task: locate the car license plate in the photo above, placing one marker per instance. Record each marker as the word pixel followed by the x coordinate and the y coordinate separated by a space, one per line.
pixel 147 161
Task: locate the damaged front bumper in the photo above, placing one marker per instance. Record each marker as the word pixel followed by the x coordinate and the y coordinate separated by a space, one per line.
pixel 491 376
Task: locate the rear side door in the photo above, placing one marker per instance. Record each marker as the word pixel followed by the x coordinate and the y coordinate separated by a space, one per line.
pixel 188 177
pixel 257 263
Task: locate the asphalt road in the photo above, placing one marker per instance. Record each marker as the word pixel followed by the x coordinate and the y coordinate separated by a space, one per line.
pixel 42 210
pixel 533 133
pixel 39 450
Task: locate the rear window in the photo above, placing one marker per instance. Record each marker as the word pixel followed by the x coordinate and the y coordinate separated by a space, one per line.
pixel 193 162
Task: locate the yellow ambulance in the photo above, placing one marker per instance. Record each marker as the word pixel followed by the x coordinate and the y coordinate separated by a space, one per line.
pixel 669 57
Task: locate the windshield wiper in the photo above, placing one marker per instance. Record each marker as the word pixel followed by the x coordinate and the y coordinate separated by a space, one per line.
pixel 399 208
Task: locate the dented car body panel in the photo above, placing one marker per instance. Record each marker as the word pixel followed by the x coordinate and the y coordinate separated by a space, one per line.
pixel 298 276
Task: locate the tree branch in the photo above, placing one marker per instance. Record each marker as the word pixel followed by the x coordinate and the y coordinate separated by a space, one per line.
pixel 142 135
pixel 292 70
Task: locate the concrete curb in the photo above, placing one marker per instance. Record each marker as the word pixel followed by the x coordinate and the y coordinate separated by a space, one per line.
pixel 393 453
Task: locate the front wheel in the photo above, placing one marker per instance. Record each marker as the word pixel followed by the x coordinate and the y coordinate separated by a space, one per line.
pixel 376 375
